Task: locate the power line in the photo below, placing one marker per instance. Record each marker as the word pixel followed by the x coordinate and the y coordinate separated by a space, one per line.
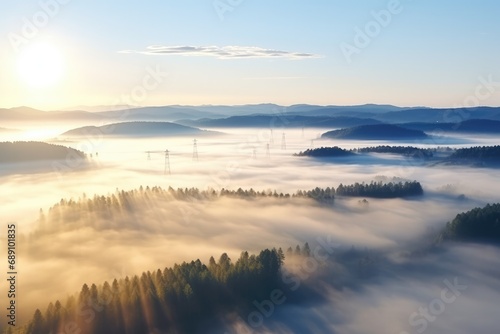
pixel 195 150
pixel 167 162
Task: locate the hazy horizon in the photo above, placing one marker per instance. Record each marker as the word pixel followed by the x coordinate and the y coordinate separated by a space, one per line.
pixel 244 167
pixel 331 52
pixel 228 162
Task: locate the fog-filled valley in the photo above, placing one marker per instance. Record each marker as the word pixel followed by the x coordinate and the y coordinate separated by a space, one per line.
pixel 249 167
pixel 135 204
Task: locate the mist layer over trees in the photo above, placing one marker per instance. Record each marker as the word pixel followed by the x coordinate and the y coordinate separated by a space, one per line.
pixel 384 226
pixel 178 299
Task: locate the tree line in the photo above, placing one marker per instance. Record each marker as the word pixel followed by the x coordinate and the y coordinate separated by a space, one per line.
pixel 408 151
pixel 122 203
pixel 325 152
pixel 381 190
pixel 178 299
pixel 481 153
pixel 484 155
pixel 478 224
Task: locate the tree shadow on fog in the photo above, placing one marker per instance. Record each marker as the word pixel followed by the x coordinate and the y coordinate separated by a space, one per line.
pixel 317 305
pixel 307 285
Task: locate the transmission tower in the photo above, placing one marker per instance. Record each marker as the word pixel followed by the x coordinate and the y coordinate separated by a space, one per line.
pixel 268 154
pixel 312 143
pixel 167 162
pixel 302 132
pixel 254 155
pixel 195 150
pixel 272 138
pixel 283 142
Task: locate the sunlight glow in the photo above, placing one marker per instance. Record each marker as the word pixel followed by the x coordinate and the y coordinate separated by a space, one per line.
pixel 41 65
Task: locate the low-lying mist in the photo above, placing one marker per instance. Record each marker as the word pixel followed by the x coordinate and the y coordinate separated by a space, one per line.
pixel 57 257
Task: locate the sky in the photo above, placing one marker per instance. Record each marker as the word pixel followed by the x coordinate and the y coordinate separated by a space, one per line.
pixel 58 54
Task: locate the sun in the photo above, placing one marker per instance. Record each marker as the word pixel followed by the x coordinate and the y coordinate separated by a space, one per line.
pixel 41 65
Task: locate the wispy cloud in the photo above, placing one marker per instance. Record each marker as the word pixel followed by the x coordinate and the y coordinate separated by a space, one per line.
pixel 273 78
pixel 224 52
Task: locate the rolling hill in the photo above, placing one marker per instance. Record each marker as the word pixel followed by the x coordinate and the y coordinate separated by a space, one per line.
pixel 376 132
pixel 476 225
pixel 486 126
pixel 138 129
pixel 163 113
pixel 13 152
pixel 485 156
pixel 432 115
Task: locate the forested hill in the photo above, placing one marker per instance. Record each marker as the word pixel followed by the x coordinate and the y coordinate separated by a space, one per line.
pixel 479 155
pixel 140 129
pixel 11 152
pixel 479 224
pixel 325 152
pixel 485 126
pixel 408 151
pixel 179 299
pixel 381 190
pixel 375 132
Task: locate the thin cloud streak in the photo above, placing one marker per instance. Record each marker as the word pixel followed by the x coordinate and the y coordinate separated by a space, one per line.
pixel 224 52
pixel 273 78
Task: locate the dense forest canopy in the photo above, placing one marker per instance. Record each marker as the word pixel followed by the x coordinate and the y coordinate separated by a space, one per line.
pixel 173 300
pixel 408 151
pixel 480 224
pixel 480 154
pixel 381 190
pixel 336 151
pixel 326 152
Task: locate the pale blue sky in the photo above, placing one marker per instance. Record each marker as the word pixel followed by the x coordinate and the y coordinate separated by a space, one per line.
pixel 430 53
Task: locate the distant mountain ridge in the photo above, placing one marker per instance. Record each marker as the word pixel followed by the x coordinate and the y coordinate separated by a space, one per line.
pixel 270 121
pixel 380 113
